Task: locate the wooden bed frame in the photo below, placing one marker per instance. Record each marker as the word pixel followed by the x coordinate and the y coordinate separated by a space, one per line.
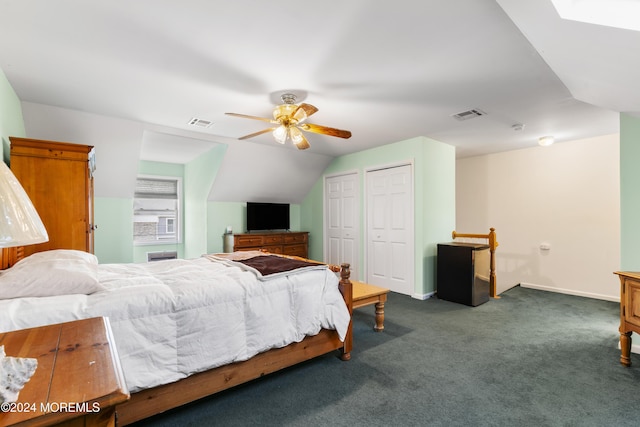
pixel 153 401
pixel 493 244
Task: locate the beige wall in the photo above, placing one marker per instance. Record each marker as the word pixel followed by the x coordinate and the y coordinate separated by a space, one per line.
pixel 567 196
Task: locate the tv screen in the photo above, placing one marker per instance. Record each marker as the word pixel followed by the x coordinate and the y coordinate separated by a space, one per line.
pixel 267 216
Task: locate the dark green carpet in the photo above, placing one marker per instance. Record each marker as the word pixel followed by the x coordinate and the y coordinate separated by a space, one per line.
pixel 531 358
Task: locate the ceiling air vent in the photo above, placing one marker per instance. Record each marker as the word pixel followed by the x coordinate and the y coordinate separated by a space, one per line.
pixel 200 122
pixel 469 114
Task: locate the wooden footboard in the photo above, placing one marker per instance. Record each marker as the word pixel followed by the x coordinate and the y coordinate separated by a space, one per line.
pixel 162 398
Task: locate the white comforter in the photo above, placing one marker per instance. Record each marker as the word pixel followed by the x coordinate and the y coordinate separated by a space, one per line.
pixel 173 318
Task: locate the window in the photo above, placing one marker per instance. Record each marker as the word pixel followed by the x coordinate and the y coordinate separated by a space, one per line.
pixel 156 213
pixel 170 225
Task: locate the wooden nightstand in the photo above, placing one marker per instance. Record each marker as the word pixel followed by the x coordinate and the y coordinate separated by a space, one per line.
pixel 78 381
pixel 629 312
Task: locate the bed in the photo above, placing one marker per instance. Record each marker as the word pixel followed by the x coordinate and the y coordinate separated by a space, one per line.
pixel 179 337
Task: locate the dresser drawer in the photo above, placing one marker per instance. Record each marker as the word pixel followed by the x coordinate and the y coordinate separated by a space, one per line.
pixel 274 239
pixel 296 250
pixel 632 302
pixel 295 238
pixel 248 240
pixel 277 249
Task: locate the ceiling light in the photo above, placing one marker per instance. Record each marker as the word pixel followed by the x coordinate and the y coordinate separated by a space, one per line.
pixel 546 141
pixel 288 118
pixel 280 134
pixel 284 110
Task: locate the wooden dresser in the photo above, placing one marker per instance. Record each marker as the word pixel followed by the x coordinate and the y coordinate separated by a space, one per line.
pixel 58 177
pixel 629 311
pixel 287 243
pixel 78 381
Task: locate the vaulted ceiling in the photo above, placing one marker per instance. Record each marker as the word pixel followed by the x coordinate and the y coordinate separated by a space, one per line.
pixel 386 71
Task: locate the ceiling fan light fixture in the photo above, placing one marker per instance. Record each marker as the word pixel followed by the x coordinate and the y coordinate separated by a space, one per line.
pixel 280 134
pixel 300 115
pixel 283 110
pixel 289 120
pixel 296 135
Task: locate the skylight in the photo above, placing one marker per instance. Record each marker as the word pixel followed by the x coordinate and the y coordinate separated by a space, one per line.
pixel 612 13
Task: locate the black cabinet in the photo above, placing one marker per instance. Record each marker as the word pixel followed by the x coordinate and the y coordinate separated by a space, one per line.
pixel 463 273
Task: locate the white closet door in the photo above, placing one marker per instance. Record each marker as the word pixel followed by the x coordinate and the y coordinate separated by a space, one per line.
pixel 390 241
pixel 342 230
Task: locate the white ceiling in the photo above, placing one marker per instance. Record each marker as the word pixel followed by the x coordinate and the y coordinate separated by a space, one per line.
pixel 386 71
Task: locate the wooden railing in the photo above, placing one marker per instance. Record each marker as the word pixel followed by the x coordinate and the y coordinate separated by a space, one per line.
pixel 493 244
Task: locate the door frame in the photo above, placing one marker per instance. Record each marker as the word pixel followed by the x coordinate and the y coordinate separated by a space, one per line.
pixel 325 230
pixel 411 264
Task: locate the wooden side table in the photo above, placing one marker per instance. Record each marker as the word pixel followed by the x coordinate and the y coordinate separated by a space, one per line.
pixel 629 312
pixel 78 381
pixel 365 294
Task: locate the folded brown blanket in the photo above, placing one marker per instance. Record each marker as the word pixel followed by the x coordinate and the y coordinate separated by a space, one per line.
pixel 266 266
pixel 272 264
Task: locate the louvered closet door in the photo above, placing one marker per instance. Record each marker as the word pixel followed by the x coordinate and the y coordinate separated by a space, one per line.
pixel 342 222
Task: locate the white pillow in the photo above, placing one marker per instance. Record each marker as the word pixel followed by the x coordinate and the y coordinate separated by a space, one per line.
pixel 50 273
pixel 59 254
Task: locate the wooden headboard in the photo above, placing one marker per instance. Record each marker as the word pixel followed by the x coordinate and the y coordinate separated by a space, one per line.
pixel 493 244
pixel 9 256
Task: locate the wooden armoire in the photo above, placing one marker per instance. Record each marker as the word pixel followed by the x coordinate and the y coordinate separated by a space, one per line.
pixel 58 177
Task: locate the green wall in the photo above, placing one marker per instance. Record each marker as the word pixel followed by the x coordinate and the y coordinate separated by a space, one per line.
pixel 629 193
pixel 113 239
pixel 221 215
pixel 199 176
pixel 434 187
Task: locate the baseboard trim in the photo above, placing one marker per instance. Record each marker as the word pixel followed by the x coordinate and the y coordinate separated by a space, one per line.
pixel 635 348
pixel 423 296
pixel 570 292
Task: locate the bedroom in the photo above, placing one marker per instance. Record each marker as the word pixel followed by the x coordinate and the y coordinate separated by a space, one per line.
pixel 212 164
pixel 120 142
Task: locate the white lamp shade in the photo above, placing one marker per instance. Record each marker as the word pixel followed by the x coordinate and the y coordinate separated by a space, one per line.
pixel 20 224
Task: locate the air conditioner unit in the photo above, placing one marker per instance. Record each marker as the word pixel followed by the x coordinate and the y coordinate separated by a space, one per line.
pixel 159 256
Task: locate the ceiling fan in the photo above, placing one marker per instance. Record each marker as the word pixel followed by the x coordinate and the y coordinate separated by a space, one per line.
pixel 290 120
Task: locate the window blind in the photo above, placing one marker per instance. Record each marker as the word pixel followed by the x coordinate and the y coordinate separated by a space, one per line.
pixel 152 188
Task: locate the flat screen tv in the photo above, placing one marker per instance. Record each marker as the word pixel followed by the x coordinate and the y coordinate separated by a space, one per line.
pixel 267 216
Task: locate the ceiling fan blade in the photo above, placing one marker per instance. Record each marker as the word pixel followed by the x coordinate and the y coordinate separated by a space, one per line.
pixel 298 138
pixel 303 111
pixel 260 132
pixel 244 116
pixel 324 130
pixel 303 144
